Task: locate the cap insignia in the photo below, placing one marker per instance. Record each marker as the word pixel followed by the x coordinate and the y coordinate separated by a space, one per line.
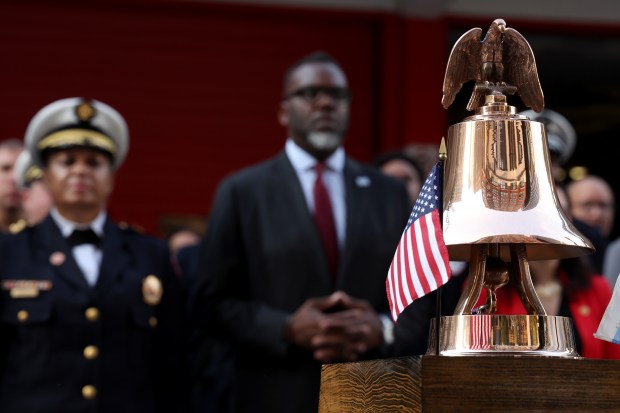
pixel 85 111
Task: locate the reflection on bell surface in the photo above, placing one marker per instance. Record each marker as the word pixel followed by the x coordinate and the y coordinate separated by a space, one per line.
pixel 488 334
pixel 500 208
pixel 499 188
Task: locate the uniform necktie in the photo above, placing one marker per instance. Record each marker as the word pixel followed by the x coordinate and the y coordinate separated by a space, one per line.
pixel 324 219
pixel 84 236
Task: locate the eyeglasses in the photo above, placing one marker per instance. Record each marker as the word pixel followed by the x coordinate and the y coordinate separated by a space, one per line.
pixel 314 93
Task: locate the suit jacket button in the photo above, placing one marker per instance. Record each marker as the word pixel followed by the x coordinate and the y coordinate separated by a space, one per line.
pixel 153 321
pixel 91 352
pixel 89 392
pixel 22 315
pixel 92 314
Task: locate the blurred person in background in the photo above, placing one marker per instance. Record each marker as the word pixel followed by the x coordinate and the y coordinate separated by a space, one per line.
pixel 10 198
pixel 402 167
pixel 92 314
pixel 425 155
pixel 592 201
pixel 36 199
pixel 292 269
pixel 181 238
pixel 593 204
pixel 178 239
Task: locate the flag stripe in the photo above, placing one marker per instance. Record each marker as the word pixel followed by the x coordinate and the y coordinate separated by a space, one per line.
pixel 391 290
pixel 394 288
pixel 439 261
pixel 421 264
pixel 432 271
pixel 401 294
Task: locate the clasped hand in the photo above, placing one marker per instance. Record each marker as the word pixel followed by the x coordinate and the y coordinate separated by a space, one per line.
pixel 335 328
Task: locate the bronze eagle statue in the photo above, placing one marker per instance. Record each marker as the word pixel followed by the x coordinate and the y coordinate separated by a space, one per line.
pixel 502 63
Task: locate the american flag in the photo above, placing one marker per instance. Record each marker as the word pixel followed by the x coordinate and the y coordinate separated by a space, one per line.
pixel 420 264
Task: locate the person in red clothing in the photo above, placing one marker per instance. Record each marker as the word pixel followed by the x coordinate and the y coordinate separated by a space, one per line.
pixel 570 288
pixel 567 288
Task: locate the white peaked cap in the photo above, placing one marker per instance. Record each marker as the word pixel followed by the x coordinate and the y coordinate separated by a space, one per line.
pixel 25 170
pixel 74 122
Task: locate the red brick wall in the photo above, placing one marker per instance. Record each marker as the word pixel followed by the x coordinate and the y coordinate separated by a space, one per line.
pixel 199 84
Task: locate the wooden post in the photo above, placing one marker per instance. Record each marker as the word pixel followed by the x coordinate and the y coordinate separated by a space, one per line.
pixel 502 383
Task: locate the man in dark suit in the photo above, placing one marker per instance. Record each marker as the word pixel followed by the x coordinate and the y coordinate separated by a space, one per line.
pixel 91 312
pixel 285 286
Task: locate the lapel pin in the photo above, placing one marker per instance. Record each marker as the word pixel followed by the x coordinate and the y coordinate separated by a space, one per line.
pixel 57 258
pixel 362 181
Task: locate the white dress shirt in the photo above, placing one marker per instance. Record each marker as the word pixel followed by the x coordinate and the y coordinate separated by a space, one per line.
pixel 87 256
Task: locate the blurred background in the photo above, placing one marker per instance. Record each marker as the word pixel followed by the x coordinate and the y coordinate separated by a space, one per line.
pixel 199 82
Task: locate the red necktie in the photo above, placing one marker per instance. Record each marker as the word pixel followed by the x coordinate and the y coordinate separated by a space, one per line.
pixel 324 218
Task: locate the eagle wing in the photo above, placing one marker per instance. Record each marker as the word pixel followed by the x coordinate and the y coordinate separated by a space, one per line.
pixel 463 65
pixel 520 70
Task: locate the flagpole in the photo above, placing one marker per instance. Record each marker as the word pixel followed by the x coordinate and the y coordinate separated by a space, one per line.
pixel 443 155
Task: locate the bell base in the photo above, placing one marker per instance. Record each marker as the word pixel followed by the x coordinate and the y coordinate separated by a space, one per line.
pixel 496 335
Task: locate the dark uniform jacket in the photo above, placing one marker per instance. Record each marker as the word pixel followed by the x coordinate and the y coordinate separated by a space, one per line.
pixel 67 347
pixel 210 360
pixel 262 258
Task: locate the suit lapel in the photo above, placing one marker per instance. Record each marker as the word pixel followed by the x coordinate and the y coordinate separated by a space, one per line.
pixel 55 250
pixel 114 257
pixel 356 187
pixel 287 183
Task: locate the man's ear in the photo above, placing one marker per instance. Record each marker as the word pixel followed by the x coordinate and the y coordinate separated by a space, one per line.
pixel 283 114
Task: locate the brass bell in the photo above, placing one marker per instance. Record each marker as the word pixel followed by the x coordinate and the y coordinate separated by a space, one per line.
pixel 500 204
pixel 499 188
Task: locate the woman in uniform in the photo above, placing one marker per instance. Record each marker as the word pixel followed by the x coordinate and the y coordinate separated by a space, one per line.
pixel 91 311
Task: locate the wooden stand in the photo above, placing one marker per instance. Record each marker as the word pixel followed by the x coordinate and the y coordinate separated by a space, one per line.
pixel 436 384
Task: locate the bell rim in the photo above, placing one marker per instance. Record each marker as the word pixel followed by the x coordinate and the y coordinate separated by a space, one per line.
pixel 522 335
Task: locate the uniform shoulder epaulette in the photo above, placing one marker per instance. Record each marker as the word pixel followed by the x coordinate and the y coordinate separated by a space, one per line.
pixel 17 227
pixel 126 227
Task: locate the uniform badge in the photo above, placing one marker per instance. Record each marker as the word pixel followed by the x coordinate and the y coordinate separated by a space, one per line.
pixel 152 290
pixel 17 227
pixel 57 258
